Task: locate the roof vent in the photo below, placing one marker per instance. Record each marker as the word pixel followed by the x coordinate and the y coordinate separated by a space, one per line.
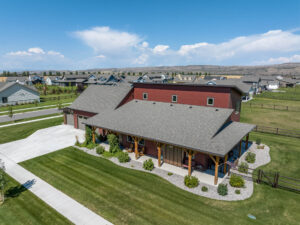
pixel 154 103
pixel 136 100
pixel 217 110
pixel 171 104
pixel 191 107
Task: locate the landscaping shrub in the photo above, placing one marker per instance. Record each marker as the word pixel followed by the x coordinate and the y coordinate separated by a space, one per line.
pixel 236 181
pixel 100 150
pixel 222 189
pixel 204 189
pixel 258 141
pixel 243 167
pixel 237 191
pixel 250 157
pixel 191 181
pixel 123 157
pixel 170 174
pixel 148 165
pixel 91 145
pixel 113 143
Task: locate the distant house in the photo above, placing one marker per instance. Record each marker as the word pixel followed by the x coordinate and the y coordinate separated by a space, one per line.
pixel 272 85
pixel 51 80
pixel 73 80
pixel 287 82
pixel 12 93
pixel 20 79
pixel 35 79
pixel 252 80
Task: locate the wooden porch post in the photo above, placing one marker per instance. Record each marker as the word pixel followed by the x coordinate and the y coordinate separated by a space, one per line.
pixel 65 118
pixel 136 147
pixel 93 134
pixel 225 165
pixel 240 148
pixel 247 139
pixel 190 162
pixel 216 169
pixel 159 154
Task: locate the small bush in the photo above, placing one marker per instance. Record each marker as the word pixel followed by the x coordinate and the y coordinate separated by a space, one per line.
pixel 191 181
pixel 100 150
pixel 236 181
pixel 115 149
pixel 107 154
pixel 250 157
pixel 91 145
pixel 123 157
pixel 243 167
pixel 258 141
pixel 237 191
pixel 113 143
pixel 222 189
pixel 170 174
pixel 204 189
pixel 148 165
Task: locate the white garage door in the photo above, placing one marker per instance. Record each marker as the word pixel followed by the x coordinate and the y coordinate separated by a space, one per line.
pixel 81 119
pixel 70 119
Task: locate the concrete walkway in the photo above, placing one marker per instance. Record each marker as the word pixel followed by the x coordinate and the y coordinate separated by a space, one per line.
pixel 68 207
pixel 39 143
pixel 30 121
pixel 26 115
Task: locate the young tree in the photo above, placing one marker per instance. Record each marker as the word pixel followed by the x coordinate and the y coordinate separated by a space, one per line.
pixel 10 111
pixel 3 182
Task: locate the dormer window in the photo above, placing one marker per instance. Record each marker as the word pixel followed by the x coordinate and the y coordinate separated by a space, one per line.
pixel 145 96
pixel 210 101
pixel 174 98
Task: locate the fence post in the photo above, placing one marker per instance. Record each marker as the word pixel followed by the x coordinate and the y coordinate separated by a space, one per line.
pixel 261 105
pixel 276 178
pixel 277 131
pixel 274 107
pixel 259 176
pixel 287 108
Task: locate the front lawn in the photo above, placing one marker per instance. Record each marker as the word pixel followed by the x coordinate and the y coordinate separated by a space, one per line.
pixel 125 196
pixel 21 131
pixel 23 207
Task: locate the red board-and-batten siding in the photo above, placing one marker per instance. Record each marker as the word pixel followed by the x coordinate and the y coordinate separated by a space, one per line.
pixel 77 113
pixel 224 97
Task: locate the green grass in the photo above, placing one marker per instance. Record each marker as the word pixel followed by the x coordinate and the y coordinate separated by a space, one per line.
pixel 21 131
pixel 125 196
pixel 28 119
pixel 23 207
pixel 288 94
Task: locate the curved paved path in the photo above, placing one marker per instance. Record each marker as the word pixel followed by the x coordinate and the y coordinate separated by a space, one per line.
pixel 42 142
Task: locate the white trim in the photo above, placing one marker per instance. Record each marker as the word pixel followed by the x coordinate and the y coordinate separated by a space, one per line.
pixel 208 98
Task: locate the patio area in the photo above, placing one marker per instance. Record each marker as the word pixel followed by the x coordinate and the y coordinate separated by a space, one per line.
pixel 206 177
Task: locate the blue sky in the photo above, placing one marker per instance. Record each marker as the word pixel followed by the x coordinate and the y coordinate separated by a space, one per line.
pixel 97 34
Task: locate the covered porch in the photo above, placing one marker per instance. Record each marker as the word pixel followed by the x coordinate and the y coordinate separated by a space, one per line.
pixel 210 169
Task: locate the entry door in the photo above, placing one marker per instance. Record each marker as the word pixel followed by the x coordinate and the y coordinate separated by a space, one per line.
pixel 173 155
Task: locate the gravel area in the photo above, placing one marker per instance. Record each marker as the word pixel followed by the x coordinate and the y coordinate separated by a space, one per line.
pixel 262 157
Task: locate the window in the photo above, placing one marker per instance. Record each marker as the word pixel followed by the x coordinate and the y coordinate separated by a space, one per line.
pixel 210 101
pixel 174 98
pixel 145 96
pixel 129 139
pixel 4 99
pixel 80 117
pixel 142 142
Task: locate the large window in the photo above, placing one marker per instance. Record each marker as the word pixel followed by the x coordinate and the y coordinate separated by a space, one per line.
pixel 174 98
pixel 145 96
pixel 210 101
pixel 4 99
pixel 130 140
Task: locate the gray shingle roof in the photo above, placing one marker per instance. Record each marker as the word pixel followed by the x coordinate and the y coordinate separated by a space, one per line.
pixel 5 85
pixel 99 98
pixel 192 127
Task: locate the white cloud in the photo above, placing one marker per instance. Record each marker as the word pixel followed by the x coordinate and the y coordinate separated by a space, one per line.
pixel 160 49
pixel 145 44
pixel 36 50
pixel 294 58
pixel 107 40
pixel 142 59
pixel 101 56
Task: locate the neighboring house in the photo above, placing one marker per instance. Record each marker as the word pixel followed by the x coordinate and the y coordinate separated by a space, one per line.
pixel 253 81
pixel 35 79
pixel 179 78
pixel 287 82
pixel 20 79
pixel 154 78
pixel 12 93
pixel 51 80
pixel 186 125
pixel 272 85
pixel 73 80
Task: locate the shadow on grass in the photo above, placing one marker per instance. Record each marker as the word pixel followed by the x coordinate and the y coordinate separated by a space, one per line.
pixel 14 192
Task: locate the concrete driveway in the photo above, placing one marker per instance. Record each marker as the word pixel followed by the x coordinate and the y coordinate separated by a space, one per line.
pixel 42 142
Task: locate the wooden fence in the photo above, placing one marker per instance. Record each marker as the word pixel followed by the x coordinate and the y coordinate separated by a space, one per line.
pixel 45 99
pixel 274 179
pixel 272 107
pixel 278 131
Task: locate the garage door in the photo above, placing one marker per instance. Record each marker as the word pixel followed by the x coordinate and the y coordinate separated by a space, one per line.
pixel 70 119
pixel 81 119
